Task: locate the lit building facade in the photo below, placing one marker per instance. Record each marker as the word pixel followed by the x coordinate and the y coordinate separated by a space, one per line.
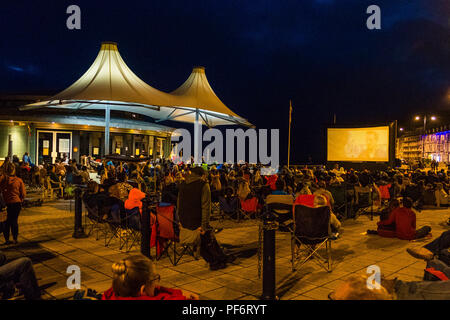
pixel 51 134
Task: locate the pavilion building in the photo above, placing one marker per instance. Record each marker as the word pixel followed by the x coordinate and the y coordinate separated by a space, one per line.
pixel 108 110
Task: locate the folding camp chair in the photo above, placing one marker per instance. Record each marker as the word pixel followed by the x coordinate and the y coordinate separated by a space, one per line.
pixel 312 231
pixel 96 222
pixel 249 207
pixel 363 200
pixel 216 212
pixel 340 199
pixel 131 227
pixel 282 214
pixel 230 206
pixel 280 206
pixel 124 228
pixel 167 239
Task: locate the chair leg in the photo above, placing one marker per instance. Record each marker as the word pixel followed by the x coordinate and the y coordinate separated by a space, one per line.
pixel 329 261
pixel 292 253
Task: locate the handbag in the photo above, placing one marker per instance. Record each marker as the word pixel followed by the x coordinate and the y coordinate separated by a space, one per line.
pixel 210 249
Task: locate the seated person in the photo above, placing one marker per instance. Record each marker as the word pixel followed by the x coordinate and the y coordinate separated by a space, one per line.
pixel 401 224
pixel 302 188
pixel 18 273
pixel 229 203
pixel 55 181
pixel 439 247
pixel 386 212
pixel 441 196
pixel 321 201
pixel 314 201
pixel 135 278
pixel 169 193
pixel 324 192
pixel 282 197
pixel 84 175
pixel 243 189
pixel 134 200
pixel 356 288
pixel 194 211
pixel 95 199
pixel 121 189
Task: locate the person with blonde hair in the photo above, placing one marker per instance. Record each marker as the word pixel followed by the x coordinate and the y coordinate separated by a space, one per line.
pixel 135 278
pixel 356 288
pixel 359 287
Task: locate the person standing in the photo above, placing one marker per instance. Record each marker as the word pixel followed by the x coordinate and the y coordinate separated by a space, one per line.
pixel 13 190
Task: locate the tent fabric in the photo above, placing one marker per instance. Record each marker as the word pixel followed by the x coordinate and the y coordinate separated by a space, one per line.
pixel 110 79
pixel 110 82
pixel 196 92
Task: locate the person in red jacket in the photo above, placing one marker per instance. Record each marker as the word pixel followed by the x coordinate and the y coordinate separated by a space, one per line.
pixel 134 278
pixel 402 224
pixel 13 191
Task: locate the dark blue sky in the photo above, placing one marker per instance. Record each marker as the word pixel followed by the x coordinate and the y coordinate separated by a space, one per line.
pixel 257 54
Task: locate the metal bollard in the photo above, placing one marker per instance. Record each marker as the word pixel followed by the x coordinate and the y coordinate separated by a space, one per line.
pixel 269 228
pixel 146 231
pixel 78 231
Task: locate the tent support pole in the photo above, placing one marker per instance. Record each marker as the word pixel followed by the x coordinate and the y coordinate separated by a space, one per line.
pixel 197 139
pixel 107 120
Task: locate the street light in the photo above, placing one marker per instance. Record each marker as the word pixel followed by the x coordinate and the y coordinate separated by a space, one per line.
pixel 433 118
pixel 401 129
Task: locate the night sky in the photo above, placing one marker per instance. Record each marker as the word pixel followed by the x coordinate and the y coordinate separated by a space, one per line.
pixel 257 54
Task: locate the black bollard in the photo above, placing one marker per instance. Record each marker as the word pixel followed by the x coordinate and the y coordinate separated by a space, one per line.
pixel 78 231
pixel 145 228
pixel 269 228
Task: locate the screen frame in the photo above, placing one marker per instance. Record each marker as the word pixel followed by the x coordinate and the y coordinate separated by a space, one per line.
pixel 392 141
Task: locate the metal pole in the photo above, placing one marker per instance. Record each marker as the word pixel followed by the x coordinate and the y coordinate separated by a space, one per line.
pixel 423 138
pixel 107 121
pixel 78 228
pixel 289 139
pixel 197 138
pixel 145 228
pixel 269 228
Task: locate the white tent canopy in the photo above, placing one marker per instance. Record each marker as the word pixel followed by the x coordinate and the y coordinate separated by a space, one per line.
pixel 110 85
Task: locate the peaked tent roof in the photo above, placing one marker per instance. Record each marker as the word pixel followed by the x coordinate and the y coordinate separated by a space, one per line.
pixel 109 81
pixel 196 93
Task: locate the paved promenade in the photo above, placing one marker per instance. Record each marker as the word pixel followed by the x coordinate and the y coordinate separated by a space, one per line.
pixel 46 237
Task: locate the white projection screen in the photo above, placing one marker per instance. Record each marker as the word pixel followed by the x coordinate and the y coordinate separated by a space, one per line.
pixel 358 144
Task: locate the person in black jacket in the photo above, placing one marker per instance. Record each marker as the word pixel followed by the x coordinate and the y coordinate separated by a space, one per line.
pixel 194 211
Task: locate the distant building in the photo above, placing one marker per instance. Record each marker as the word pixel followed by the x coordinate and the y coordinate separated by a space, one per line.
pixel 433 145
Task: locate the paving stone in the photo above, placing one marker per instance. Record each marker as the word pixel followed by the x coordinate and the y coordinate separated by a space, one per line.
pixel 46 237
pixel 223 294
pixel 320 293
pixel 200 286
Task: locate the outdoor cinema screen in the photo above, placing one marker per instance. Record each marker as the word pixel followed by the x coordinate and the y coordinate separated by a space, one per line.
pixel 358 144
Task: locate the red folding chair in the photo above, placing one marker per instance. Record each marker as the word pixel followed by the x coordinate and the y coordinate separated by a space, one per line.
pixel 167 235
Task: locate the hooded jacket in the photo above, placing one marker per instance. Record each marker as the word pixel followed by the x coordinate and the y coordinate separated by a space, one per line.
pixel 134 199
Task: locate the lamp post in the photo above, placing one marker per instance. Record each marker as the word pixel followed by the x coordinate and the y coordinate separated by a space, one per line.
pixel 417 118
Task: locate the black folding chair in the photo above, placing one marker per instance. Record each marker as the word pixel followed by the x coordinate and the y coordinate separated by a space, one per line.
pixel 281 211
pixel 312 231
pixel 124 228
pixel 364 200
pixel 96 222
pixel 339 193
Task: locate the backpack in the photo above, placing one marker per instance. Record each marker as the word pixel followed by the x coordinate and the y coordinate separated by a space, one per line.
pixel 210 249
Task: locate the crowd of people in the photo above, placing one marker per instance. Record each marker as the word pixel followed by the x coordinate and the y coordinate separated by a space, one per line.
pixel 115 187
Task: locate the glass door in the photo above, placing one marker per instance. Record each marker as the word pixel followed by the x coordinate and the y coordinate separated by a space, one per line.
pixel 45 147
pixel 63 145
